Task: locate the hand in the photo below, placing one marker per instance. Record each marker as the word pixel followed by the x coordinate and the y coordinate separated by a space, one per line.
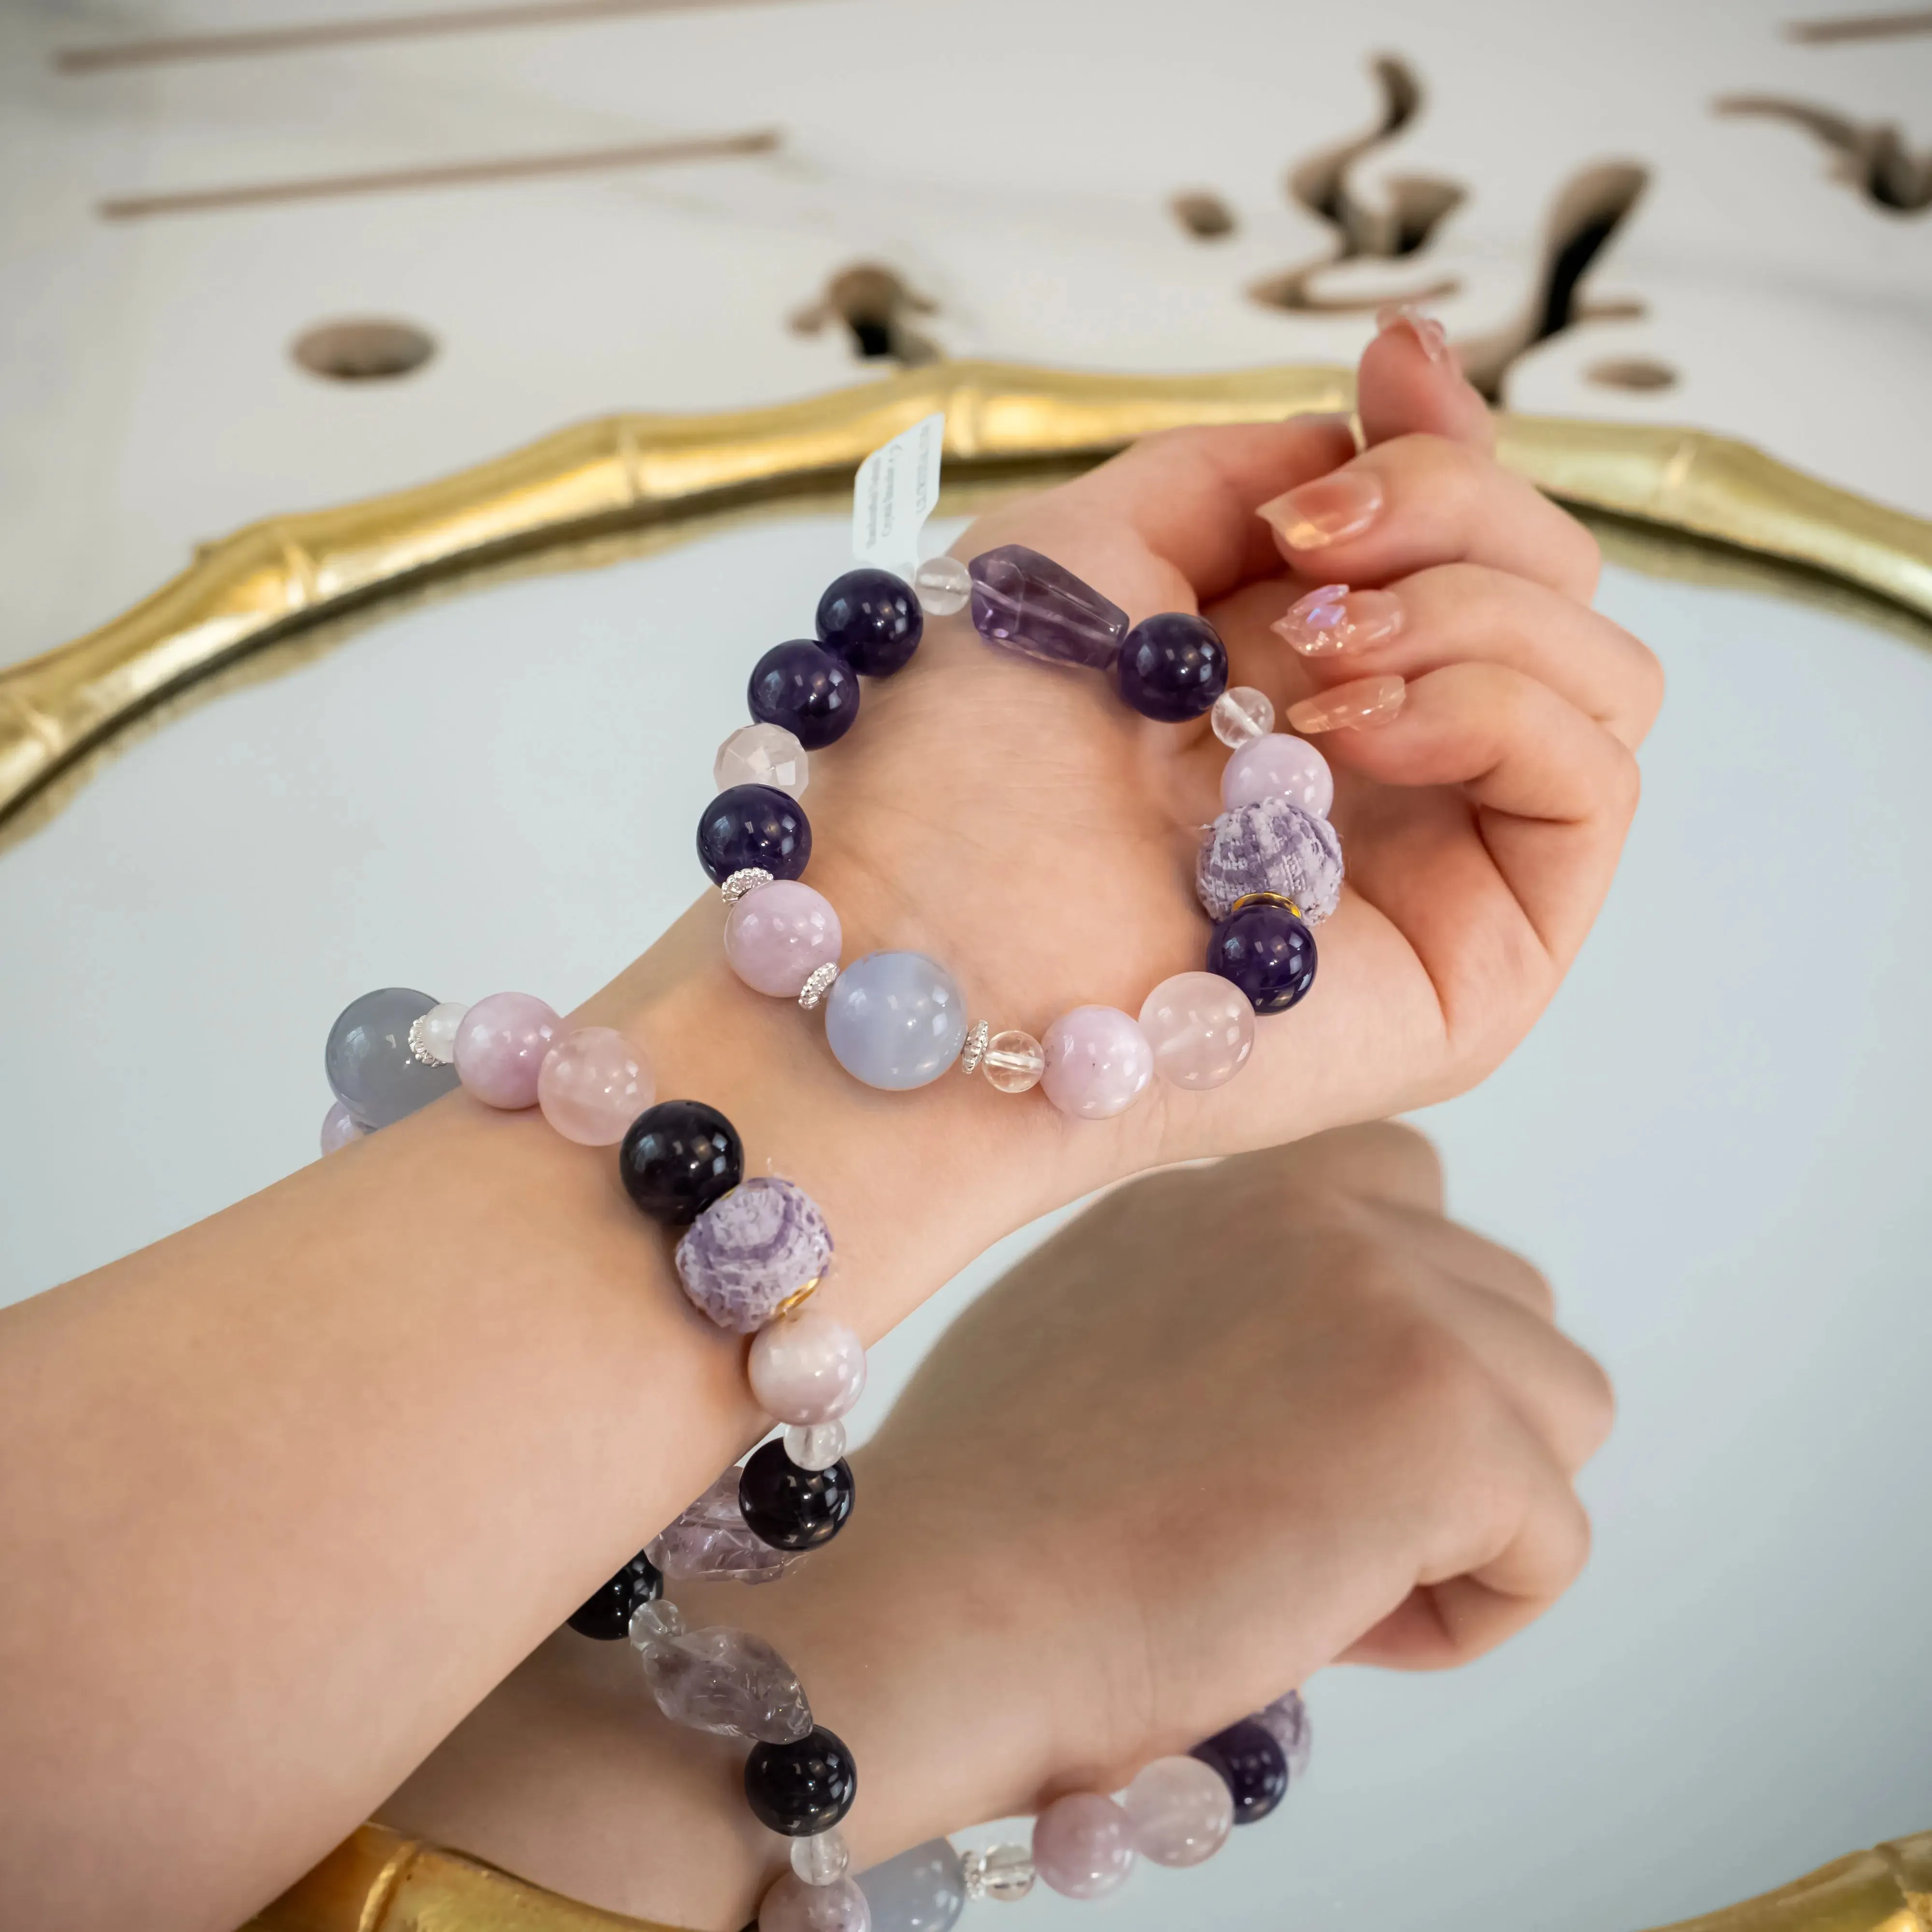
pixel 1228 1426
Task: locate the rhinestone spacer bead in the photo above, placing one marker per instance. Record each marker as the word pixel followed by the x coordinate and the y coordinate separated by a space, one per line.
pixel 974 1050
pixel 746 879
pixel 813 992
pixel 1004 1872
pixel 419 1047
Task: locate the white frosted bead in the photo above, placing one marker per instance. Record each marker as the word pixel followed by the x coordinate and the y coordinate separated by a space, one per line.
pixel 766 754
pixel 820 1857
pixel 943 584
pixel 433 1038
pixel 815 1445
pixel 1242 714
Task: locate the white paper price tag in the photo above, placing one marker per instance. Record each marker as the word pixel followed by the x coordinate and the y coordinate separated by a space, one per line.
pixel 897 486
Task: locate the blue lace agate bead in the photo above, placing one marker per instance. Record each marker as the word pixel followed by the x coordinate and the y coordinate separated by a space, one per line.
pixel 370 1068
pixel 1252 1764
pixel 1028 603
pixel 802 686
pixel 870 619
pixel 754 825
pixel 895 1020
pixel 1266 951
pixel 1172 667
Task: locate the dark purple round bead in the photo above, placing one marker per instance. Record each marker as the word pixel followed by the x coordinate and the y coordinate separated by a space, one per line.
pixel 677 1158
pixel 803 687
pixel 803 1788
pixel 792 1508
pixel 1252 1764
pixel 1267 952
pixel 1172 667
pixel 872 619
pixel 607 1614
pixel 754 825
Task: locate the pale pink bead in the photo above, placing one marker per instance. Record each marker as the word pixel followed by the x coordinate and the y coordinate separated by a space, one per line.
pixel 807 1367
pixel 1278 766
pixel 593 1085
pixel 793 1906
pixel 1201 1028
pixel 1181 1810
pixel 1098 1062
pixel 339 1128
pixel 1083 1845
pixel 500 1048
pixel 778 936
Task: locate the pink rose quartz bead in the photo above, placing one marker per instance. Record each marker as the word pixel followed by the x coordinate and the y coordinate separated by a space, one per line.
pixel 777 936
pixel 807 1368
pixel 500 1048
pixel 1278 766
pixel 1201 1028
pixel 793 1906
pixel 593 1085
pixel 1181 1809
pixel 1098 1062
pixel 1083 1845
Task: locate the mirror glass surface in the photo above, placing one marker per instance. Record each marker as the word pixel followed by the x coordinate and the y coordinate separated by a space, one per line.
pixel 1714 1144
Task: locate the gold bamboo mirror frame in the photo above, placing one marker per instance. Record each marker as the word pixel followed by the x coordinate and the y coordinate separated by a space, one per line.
pixel 1713 519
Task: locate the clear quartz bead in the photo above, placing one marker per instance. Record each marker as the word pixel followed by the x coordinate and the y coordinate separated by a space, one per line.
pixel 729 1681
pixel 1003 1872
pixel 815 1445
pixel 1242 714
pixel 821 1858
pixel 1013 1061
pixel 652 1623
pixel 766 754
pixel 433 1038
pixel 943 584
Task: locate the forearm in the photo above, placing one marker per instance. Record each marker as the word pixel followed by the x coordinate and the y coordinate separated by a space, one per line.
pixel 283 1497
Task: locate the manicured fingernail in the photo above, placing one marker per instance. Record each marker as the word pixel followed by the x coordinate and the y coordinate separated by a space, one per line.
pixel 1365 701
pixel 1325 511
pixel 1428 332
pixel 1337 619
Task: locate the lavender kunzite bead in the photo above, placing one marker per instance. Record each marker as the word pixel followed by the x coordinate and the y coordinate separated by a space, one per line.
pixel 1278 766
pixel 1182 1811
pixel 710 1538
pixel 1083 1845
pixel 1028 603
pixel 1098 1062
pixel 895 1020
pixel 923 1890
pixel 1270 846
pixel 778 936
pixel 751 1249
pixel 1286 1721
pixel 339 1128
pixel 729 1681
pixel 370 1066
pixel 808 1368
pixel 793 1906
pixel 500 1048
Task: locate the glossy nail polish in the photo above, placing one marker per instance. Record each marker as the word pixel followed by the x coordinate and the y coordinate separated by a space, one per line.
pixel 1326 510
pixel 1337 619
pixel 1364 701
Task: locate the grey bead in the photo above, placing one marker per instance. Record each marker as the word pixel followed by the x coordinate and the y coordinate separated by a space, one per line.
pixel 923 1890
pixel 368 1060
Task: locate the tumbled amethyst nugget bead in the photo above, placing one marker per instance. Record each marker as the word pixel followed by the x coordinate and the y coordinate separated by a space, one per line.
pixel 750 1249
pixel 1026 603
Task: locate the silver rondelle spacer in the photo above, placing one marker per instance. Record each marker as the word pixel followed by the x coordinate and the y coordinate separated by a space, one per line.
pixel 815 988
pixel 418 1046
pixel 974 1050
pixel 746 879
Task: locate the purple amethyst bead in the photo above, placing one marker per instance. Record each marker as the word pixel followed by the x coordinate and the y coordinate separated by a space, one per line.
pixel 751 1249
pixel 1252 1766
pixel 871 620
pixel 802 686
pixel 1267 952
pixel 1028 603
pixel 754 825
pixel 1172 667
pixel 1272 846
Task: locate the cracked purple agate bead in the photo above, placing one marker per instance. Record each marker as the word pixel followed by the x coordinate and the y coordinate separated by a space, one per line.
pixel 1172 667
pixel 1272 846
pixel 1026 603
pixel 752 1249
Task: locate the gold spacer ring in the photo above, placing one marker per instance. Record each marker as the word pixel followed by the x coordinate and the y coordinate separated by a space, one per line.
pixel 1267 898
pixel 796 1299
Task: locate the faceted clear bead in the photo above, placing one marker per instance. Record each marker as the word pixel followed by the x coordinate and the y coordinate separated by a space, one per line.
pixel 651 1622
pixel 766 754
pixel 1004 1872
pixel 1242 714
pixel 815 1445
pixel 943 584
pixel 729 1681
pixel 1014 1061
pixel 821 1858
